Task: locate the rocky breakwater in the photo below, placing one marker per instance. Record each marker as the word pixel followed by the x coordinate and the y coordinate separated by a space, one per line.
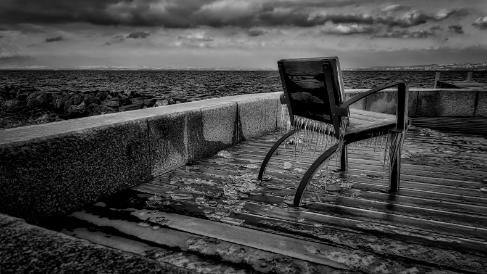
pixel 21 105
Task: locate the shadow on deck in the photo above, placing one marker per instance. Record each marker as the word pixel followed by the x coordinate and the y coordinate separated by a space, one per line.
pixel 213 216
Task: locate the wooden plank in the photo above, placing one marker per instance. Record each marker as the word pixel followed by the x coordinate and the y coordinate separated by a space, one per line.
pixel 301 216
pixel 370 115
pixel 419 221
pixel 364 184
pixel 391 206
pixel 368 165
pixel 186 262
pixel 291 247
pixel 359 183
pixel 397 208
pixel 442 185
pixel 457 176
pixel 420 250
pixel 367 225
pixel 380 207
pixel 182 249
pixel 460 148
pixel 460 154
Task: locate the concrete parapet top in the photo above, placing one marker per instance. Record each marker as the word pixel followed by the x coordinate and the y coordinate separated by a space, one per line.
pixel 33 132
pixel 29 133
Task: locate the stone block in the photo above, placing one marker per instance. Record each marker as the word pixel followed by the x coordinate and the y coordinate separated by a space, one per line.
pixel 458 103
pixel 57 174
pixel 168 135
pixel 219 123
pixel 412 102
pixel 214 130
pixel 257 116
pixel 434 103
pixel 359 104
pixel 383 102
pixel 428 104
pixel 481 108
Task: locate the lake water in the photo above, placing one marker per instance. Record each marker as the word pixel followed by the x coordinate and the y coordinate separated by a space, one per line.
pixel 196 85
pixel 73 94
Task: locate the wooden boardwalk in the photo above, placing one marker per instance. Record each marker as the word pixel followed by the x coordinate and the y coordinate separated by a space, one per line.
pixel 213 216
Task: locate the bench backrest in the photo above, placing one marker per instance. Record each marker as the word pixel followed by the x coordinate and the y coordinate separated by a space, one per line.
pixel 313 88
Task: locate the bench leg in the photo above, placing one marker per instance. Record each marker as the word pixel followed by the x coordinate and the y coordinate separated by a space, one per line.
pixel 344 158
pixel 272 150
pixel 310 172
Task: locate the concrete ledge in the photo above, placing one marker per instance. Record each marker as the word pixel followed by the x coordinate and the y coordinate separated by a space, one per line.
pixel 52 169
pixel 57 174
pixel 428 102
pixel 26 248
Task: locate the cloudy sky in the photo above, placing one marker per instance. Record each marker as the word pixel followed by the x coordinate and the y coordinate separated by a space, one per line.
pixel 244 34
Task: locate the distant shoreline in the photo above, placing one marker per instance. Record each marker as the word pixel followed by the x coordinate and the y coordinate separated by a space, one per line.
pixel 482 69
pixel 428 67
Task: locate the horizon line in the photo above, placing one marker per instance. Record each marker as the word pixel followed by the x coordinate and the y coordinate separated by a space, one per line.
pixel 427 67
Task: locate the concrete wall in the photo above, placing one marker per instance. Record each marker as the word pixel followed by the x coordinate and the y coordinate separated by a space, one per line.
pixel 428 102
pixel 54 168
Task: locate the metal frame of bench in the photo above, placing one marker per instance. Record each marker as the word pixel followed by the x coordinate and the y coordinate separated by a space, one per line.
pixel 336 109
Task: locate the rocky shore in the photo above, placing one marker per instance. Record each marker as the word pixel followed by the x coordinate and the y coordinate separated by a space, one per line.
pixel 22 105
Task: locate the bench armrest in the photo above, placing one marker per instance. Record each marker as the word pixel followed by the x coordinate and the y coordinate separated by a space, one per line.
pixel 362 95
pixel 402 102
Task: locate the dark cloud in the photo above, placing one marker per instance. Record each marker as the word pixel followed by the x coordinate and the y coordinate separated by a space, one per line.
pixel 115 40
pixel 406 34
pixel 54 39
pixel 458 29
pixel 138 35
pixel 119 38
pixel 253 32
pixel 216 13
pixel 413 17
pixel 170 13
pixel 480 23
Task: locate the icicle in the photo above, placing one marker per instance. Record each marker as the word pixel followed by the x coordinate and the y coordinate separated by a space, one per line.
pixel 312 137
pixel 316 138
pixel 386 149
pixel 321 137
pixel 305 136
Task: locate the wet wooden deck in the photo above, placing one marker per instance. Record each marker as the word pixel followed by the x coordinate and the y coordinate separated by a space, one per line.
pixel 213 216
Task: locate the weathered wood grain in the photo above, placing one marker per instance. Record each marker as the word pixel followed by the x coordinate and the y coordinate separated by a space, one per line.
pixel 437 220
